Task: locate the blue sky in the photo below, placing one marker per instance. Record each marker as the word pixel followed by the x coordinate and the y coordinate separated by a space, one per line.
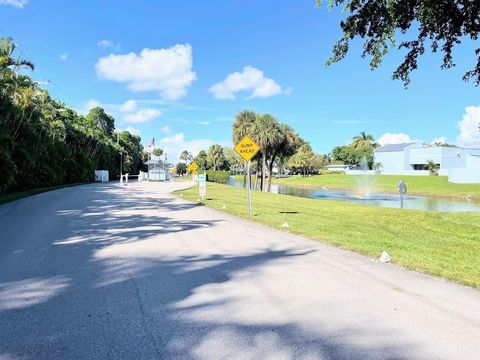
pixel 179 90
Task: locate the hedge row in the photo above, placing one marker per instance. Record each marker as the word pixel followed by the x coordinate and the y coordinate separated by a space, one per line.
pixel 220 177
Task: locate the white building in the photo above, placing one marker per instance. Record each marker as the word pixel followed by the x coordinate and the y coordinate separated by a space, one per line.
pixel 461 165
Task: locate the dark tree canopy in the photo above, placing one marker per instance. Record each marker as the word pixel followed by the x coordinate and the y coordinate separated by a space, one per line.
pixel 45 143
pixel 440 24
pixel 102 120
pixel 181 168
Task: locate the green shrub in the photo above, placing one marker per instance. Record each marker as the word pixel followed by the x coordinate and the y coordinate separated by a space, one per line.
pixel 220 177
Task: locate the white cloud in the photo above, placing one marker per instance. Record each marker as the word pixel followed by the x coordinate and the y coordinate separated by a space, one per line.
pixel 176 138
pixel 108 44
pixel 166 129
pixel 64 56
pixel 129 111
pixel 88 105
pixel 205 123
pixel 20 4
pixel 251 80
pixel 133 130
pixel 130 129
pixel 176 143
pixel 168 71
pixel 469 131
pixel 128 106
pixel 399 138
pixel 439 140
pixel 142 115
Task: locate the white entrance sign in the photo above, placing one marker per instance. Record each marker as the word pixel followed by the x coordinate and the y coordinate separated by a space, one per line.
pixel 202 185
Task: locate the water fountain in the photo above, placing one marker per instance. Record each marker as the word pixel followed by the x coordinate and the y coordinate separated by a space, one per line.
pixel 364 181
pixel 364 194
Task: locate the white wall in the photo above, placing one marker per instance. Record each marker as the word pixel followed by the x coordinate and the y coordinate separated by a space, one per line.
pixel 464 176
pixel 392 161
pixel 447 157
pixel 424 155
pixel 472 162
pixel 453 158
pixel 406 172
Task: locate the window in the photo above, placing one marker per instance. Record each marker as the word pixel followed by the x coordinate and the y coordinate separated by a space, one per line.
pixel 419 166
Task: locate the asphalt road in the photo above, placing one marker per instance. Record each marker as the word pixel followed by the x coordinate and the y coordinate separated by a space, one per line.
pixel 105 272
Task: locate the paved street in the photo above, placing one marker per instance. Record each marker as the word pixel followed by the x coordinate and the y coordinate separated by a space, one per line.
pixel 107 272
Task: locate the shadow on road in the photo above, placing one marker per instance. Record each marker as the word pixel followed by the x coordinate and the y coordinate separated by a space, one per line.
pixel 96 280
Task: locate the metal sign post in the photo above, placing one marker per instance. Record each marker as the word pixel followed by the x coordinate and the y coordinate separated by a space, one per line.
pixel 248 189
pixel 402 189
pixel 247 149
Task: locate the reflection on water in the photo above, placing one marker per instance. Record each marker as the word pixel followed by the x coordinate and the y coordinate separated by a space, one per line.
pixel 383 200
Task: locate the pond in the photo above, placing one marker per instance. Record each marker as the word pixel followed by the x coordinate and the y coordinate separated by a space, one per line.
pixel 376 199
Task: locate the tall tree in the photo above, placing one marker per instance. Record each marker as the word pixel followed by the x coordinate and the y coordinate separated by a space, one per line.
pixel 243 125
pixel 285 146
pixel 102 120
pixel 157 152
pixel 303 160
pixel 363 140
pixel 232 158
pixel 201 160
pixel 216 157
pixel 267 134
pixel 8 58
pixel 442 24
pixel 186 156
pixel 181 169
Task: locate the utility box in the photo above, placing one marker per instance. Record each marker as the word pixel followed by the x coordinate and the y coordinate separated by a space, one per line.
pixel 101 175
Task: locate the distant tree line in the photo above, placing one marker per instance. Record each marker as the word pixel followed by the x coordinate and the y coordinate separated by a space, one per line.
pixel 282 150
pixel 44 143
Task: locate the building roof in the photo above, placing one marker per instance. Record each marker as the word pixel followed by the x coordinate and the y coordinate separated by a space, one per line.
pixel 393 147
pixel 153 162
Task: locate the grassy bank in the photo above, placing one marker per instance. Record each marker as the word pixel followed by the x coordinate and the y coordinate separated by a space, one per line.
pixel 5 198
pixel 420 185
pixel 441 244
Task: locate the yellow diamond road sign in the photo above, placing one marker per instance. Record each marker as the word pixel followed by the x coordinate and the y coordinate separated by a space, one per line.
pixel 247 148
pixel 193 166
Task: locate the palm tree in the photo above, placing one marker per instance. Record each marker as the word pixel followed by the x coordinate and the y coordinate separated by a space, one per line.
pixel 363 140
pixel 216 157
pixel 243 124
pixel 377 166
pixel 432 167
pixel 7 48
pixel 287 144
pixel 267 134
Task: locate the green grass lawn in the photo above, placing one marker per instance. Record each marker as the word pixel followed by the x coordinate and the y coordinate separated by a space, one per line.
pixel 5 198
pixel 426 185
pixel 441 244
